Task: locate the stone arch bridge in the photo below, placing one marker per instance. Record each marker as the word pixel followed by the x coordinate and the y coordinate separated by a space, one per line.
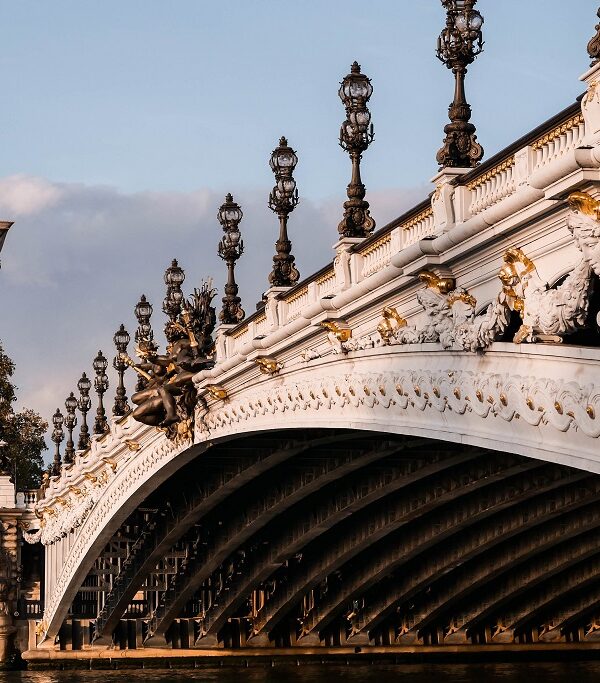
pixel 400 451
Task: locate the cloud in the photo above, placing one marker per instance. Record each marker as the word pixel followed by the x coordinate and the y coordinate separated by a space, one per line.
pixel 79 256
pixel 22 195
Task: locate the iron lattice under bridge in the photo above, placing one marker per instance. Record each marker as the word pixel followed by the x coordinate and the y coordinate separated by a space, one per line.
pixel 344 537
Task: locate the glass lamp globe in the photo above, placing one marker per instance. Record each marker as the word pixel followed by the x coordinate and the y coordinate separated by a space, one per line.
pixel 71 403
pixel 100 363
pixel 84 384
pixel 121 338
pixel 174 275
pixel 229 212
pixel 143 308
pixel 475 20
pixel 57 419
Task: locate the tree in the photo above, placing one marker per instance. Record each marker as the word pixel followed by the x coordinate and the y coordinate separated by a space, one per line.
pixel 22 432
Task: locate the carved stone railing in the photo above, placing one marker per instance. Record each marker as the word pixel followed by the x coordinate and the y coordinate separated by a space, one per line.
pixel 295 302
pixel 492 186
pixel 377 255
pixel 419 227
pixel 237 339
pixel 27 499
pixel 559 141
pixel 462 205
pixel 326 283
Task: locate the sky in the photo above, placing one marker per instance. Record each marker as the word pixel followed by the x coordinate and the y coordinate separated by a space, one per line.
pixel 124 124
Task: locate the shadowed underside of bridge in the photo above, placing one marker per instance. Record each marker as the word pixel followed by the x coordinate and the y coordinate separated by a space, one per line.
pixel 340 537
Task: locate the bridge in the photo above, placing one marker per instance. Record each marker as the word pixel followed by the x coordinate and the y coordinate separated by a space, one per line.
pixel 399 452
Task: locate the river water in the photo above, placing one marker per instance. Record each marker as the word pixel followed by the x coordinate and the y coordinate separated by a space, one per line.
pixel 584 672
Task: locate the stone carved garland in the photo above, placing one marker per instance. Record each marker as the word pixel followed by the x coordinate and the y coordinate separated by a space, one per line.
pixel 71 515
pixel 547 314
pixel 562 405
pixel 150 460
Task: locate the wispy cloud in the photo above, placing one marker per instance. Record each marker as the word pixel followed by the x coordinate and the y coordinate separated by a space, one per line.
pixel 78 258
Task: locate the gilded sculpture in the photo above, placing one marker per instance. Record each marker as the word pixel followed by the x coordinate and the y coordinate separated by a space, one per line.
pixel 168 398
pixel 268 365
pixel 548 314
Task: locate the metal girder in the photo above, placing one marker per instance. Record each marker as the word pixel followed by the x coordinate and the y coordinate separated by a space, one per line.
pixel 483 521
pixel 531 585
pixel 155 542
pixel 356 539
pixel 554 585
pixel 424 496
pixel 263 509
pixel 578 613
pixel 527 552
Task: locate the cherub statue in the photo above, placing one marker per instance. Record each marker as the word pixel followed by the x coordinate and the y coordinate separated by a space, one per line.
pixel 169 397
pixel 155 404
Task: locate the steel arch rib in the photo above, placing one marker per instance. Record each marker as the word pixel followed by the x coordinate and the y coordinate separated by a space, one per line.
pixel 584 573
pixel 173 530
pixel 576 497
pixel 528 579
pixel 303 535
pixel 585 606
pixel 495 466
pixel 412 544
pixel 338 553
pixel 521 554
pixel 243 527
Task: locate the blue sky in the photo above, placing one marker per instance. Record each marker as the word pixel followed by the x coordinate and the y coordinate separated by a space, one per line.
pixel 124 124
pixel 147 94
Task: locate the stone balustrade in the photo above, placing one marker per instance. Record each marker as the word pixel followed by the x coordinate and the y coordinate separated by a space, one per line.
pixel 463 204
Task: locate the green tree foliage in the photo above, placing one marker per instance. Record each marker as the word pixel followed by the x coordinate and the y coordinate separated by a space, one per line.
pixel 23 433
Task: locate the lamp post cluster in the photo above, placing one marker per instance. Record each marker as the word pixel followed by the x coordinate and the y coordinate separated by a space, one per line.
pixel 458 44
pixel 282 201
pixel 70 424
pixel 57 436
pixel 231 247
pixel 121 340
pixel 356 134
pixel 101 385
pixel 144 336
pixel 84 404
pixel 174 277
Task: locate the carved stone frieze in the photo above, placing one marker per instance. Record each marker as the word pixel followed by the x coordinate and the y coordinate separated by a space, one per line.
pixel 548 314
pixel 150 459
pixel 536 401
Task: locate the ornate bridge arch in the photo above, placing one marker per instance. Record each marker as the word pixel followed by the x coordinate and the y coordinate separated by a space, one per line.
pixel 454 397
pixel 365 448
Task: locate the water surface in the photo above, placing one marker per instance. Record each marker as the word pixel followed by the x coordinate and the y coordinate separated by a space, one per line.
pixel 584 672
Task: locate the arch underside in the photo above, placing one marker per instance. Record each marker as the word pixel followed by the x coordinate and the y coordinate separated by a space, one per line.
pixel 337 537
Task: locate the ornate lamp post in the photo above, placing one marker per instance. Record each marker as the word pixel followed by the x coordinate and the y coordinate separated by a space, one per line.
pixel 70 423
pixel 101 385
pixel 231 248
pixel 143 311
pixel 283 200
pixel 356 134
pixel 121 340
pixel 57 436
pixel 458 45
pixel 84 403
pixel 174 277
